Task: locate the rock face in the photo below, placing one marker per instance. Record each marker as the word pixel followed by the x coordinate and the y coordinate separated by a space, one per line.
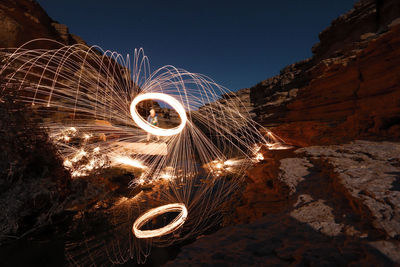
pixel 348 97
pixel 349 89
pixel 363 21
pixel 369 172
pixel 33 183
pixel 333 205
pixel 24 20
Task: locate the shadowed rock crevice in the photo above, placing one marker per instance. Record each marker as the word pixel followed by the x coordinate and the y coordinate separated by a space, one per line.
pixel 264 193
pixel 277 240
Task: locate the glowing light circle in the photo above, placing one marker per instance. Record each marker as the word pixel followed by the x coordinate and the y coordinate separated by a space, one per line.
pixel 152 213
pixel 175 104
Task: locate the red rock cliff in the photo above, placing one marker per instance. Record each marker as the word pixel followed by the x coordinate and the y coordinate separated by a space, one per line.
pixel 22 21
pixel 349 89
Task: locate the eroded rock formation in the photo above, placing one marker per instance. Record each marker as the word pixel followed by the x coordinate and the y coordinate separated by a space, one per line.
pixel 22 21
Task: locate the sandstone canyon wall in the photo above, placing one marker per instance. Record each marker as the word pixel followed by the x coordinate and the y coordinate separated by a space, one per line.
pixel 22 21
pixel 349 89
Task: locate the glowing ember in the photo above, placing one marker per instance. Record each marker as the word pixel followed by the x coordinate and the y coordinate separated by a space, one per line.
pixel 259 157
pixel 67 163
pixel 128 161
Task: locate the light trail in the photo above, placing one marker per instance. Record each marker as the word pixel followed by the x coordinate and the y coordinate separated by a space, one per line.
pixel 154 129
pixel 153 213
pixel 124 160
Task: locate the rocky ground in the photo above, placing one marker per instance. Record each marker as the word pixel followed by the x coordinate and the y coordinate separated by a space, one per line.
pixel 320 205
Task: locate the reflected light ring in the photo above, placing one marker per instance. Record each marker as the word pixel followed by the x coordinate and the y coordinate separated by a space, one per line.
pixel 175 104
pixel 152 213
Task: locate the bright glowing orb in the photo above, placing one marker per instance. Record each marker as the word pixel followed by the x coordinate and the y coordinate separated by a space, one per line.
pixel 152 213
pixel 175 104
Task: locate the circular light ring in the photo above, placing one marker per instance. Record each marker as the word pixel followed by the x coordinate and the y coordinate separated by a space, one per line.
pixel 175 104
pixel 152 213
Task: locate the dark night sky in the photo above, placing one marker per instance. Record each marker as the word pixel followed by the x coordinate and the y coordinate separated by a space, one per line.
pixel 236 43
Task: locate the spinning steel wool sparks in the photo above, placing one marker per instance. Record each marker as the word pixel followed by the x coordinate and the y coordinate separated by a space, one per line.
pixel 94 102
pixel 156 130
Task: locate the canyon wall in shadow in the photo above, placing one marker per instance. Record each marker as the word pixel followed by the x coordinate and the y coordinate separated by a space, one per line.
pixel 23 20
pixel 349 89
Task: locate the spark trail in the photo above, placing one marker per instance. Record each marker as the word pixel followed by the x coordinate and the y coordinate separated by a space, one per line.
pixel 93 103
